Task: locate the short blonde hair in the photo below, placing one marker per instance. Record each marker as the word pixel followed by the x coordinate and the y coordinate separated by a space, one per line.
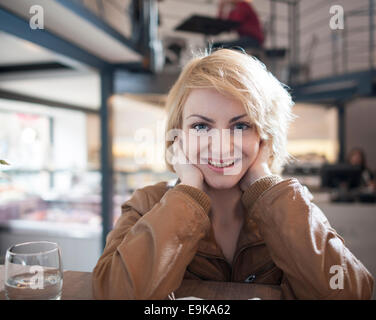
pixel 246 79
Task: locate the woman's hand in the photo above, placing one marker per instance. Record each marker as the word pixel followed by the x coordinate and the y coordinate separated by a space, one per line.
pixel 188 173
pixel 259 167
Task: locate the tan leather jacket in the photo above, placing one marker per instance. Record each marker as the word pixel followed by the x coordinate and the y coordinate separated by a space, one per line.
pixel 164 235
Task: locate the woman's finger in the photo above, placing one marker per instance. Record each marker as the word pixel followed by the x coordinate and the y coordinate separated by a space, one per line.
pixel 176 150
pixel 174 153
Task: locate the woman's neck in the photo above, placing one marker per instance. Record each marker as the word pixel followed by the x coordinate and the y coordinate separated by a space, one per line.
pixel 226 205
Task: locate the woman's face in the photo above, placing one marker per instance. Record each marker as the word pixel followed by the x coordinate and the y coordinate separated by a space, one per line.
pixel 209 123
pixel 356 158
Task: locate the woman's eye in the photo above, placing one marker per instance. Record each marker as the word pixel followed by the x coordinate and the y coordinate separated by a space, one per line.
pixel 241 126
pixel 200 127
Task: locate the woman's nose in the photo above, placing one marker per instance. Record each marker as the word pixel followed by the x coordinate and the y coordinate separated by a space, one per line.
pixel 221 146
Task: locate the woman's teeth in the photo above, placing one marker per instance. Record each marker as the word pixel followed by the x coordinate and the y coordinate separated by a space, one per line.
pixel 221 165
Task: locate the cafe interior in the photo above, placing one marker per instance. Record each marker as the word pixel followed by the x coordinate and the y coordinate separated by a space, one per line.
pixel 83 84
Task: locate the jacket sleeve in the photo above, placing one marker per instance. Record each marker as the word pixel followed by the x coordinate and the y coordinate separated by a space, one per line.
pixel 301 242
pixel 146 255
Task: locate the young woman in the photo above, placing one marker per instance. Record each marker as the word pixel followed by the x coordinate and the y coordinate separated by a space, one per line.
pixel 357 157
pixel 230 216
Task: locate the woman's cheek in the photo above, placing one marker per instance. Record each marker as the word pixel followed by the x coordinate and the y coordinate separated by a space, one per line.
pixel 192 150
pixel 252 152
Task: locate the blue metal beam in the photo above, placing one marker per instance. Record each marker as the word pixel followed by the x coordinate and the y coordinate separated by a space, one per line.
pixel 107 90
pixel 327 97
pixel 11 95
pixel 18 27
pixel 334 88
pixel 341 107
pixel 143 82
pixel 339 78
pixel 78 8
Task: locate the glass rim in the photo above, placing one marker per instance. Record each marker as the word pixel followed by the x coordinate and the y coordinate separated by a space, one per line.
pixel 56 247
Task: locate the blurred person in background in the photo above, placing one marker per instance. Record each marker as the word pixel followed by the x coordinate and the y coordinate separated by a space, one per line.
pixel 249 30
pixel 357 157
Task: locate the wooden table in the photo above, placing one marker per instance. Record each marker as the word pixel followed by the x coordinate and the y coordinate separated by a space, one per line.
pixel 77 286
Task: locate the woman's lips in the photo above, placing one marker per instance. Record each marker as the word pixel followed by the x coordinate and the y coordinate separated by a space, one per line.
pixel 217 161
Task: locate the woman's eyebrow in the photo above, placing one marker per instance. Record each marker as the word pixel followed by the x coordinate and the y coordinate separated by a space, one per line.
pixel 212 121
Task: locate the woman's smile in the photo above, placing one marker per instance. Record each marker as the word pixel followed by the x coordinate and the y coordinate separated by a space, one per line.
pixel 219 165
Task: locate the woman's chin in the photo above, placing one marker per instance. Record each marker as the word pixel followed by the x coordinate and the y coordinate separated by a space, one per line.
pixel 222 182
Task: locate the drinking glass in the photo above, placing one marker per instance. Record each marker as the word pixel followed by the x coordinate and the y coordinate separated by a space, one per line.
pixel 33 271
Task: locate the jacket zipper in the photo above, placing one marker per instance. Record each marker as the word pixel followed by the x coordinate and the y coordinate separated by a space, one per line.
pixel 235 258
pixel 252 277
pixel 239 252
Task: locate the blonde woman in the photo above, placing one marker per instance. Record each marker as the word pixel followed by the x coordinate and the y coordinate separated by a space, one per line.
pixel 230 216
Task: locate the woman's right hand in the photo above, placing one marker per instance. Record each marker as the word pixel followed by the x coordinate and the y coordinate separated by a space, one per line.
pixel 188 173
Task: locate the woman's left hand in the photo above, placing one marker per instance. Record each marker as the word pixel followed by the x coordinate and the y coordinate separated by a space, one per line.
pixel 259 167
